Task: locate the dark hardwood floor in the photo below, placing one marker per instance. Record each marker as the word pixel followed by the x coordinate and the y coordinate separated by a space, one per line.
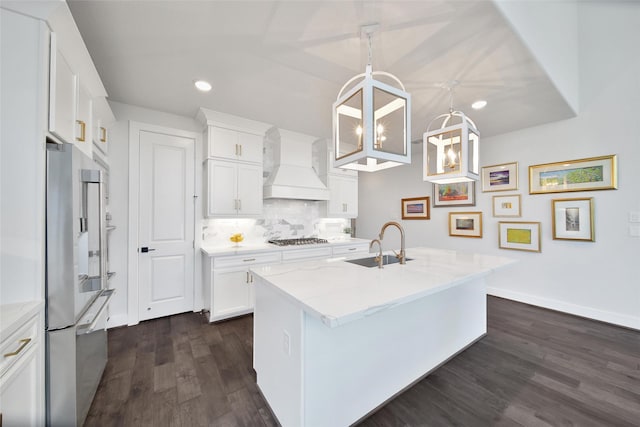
pixel 535 367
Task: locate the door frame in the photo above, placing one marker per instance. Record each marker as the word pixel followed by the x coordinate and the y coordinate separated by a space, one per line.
pixel 133 286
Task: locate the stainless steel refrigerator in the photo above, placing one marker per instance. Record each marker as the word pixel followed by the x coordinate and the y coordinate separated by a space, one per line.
pixel 76 284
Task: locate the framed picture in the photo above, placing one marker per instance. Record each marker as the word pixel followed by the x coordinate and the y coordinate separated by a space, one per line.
pixel 502 177
pixel 465 224
pixel 455 194
pixel 506 206
pixel 521 236
pixel 415 208
pixel 595 173
pixel 573 219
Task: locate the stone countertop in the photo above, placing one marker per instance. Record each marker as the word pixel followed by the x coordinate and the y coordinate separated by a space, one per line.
pixel 339 292
pixel 12 316
pixel 246 249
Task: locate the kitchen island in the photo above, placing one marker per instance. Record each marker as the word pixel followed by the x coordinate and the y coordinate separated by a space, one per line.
pixel 335 340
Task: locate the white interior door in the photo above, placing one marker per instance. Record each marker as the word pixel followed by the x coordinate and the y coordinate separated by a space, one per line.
pixel 165 225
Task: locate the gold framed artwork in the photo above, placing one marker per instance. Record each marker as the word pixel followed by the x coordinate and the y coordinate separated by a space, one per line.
pixel 594 173
pixel 502 177
pixel 415 208
pixel 573 219
pixel 454 194
pixel 519 235
pixel 465 224
pixel 506 206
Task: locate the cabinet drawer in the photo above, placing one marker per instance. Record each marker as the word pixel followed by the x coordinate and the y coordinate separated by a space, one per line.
pixel 302 254
pixel 242 260
pixel 350 250
pixel 20 341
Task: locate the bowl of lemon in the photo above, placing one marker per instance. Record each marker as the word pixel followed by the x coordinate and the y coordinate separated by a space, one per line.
pixel 236 238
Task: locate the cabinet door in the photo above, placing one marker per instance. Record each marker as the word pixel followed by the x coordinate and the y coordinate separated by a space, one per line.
pixel 231 293
pixel 222 188
pixel 250 147
pixel 343 193
pixel 249 189
pixel 83 127
pixel 62 96
pixel 223 143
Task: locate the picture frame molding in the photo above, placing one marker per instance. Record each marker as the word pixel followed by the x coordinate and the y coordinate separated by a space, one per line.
pixel 554 217
pixel 426 204
pixel 610 179
pixel 518 210
pixel 486 171
pixel 534 246
pixel 439 204
pixel 477 229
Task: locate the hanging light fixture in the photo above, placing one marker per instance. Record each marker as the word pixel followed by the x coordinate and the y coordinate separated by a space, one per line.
pixel 371 121
pixel 450 152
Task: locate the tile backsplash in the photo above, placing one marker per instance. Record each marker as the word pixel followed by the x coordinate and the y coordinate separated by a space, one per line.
pixel 282 219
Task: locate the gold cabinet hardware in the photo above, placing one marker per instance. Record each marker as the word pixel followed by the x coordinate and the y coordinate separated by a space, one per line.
pixel 103 134
pixel 240 145
pixel 83 128
pixel 23 344
pixel 248 260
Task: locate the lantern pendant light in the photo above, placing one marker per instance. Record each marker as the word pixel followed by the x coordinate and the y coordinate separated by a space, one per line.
pixel 372 121
pixel 450 153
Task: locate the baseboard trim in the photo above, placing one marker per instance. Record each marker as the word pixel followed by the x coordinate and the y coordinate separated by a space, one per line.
pixel 631 322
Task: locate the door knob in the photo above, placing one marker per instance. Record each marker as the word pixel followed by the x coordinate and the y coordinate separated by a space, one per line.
pixel 145 249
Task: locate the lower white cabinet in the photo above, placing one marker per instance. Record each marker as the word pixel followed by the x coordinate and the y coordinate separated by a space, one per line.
pixel 22 374
pixel 229 283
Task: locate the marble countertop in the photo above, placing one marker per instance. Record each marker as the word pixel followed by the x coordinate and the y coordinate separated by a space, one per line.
pixel 339 292
pixel 246 249
pixel 12 316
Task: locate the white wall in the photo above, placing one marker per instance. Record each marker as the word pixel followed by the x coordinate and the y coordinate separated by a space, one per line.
pixel 600 280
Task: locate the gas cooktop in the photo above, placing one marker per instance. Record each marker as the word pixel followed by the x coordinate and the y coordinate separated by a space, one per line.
pixel 298 241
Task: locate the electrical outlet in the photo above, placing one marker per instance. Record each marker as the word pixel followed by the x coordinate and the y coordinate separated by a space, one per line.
pixel 286 343
pixel 634 216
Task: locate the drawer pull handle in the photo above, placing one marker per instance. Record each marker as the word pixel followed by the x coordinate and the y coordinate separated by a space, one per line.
pixel 23 344
pixel 248 260
pixel 352 249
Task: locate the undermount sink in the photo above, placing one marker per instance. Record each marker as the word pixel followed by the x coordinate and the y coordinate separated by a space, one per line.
pixel 371 261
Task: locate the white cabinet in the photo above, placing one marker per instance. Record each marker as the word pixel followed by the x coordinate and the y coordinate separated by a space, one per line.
pixel 295 255
pixel 102 115
pixel 234 189
pixel 342 183
pixel 343 199
pixel 62 95
pixel 22 373
pixel 84 127
pixel 351 250
pixel 234 145
pixel 229 283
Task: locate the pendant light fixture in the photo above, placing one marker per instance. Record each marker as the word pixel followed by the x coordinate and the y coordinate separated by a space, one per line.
pixel 371 121
pixel 450 152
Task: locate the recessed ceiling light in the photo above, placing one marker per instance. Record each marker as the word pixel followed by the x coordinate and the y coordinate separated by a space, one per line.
pixel 202 85
pixel 478 105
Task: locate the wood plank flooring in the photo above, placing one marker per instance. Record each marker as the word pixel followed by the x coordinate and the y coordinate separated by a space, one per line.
pixel 535 367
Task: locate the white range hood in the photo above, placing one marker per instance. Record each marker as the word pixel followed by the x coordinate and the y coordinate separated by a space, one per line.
pixel 293 176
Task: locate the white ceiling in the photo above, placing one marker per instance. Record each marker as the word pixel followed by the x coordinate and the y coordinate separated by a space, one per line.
pixel 283 62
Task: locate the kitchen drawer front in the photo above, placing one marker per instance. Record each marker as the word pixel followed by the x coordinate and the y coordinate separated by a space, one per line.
pixel 350 250
pixel 302 254
pixel 20 341
pixel 243 260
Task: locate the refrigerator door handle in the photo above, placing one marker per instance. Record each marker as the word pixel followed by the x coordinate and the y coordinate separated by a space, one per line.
pixel 89 326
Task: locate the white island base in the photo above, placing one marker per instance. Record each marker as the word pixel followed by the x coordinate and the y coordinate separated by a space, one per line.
pixel 316 371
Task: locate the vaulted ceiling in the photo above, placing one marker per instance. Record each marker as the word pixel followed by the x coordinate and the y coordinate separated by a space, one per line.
pixel 283 62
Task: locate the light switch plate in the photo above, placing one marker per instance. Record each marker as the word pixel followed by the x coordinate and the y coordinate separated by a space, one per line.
pixel 634 230
pixel 634 216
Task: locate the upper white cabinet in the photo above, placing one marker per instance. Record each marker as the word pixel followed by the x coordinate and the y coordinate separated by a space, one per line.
pixel 84 117
pixel 343 201
pixel 234 189
pixel 62 95
pixel 342 183
pixel 234 145
pixel 102 116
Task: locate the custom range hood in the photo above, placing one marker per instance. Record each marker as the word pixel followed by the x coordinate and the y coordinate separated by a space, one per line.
pixel 293 176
